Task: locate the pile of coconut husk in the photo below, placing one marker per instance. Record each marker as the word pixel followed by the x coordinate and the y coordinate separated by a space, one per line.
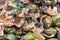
pixel 29 20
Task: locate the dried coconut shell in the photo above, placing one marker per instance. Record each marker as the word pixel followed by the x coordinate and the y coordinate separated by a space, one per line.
pixel 48 35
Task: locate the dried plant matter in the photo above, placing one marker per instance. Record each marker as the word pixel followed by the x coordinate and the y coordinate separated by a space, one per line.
pixel 37 32
pixel 51 11
pixel 36 17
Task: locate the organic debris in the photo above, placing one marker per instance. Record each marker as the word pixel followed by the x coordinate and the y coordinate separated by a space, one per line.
pixel 29 19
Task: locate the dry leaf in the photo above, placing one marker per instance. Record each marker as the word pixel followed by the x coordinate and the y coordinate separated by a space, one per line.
pixel 4 6
pixel 25 10
pixel 32 8
pixel 28 26
pixel 51 11
pixel 2 17
pixel 37 32
pixel 18 21
pixel 9 8
pixel 8 22
pixel 20 15
pixel 34 16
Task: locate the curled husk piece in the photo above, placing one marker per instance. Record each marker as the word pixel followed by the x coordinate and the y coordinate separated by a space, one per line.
pixel 50 32
pixel 50 2
pixel 52 39
pixel 18 21
pixel 57 28
pixel 2 26
pixel 56 20
pixel 46 21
